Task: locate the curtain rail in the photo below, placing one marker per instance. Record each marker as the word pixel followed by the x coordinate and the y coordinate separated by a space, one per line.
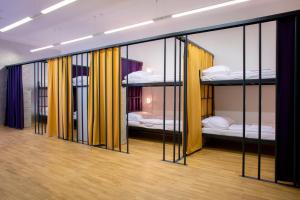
pixel 177 34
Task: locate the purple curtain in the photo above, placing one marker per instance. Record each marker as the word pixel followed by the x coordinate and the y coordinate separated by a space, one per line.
pixel 14 116
pixel 288 143
pixel 134 93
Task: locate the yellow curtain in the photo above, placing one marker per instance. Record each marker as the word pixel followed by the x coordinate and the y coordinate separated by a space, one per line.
pixel 198 59
pixel 60 108
pixel 103 98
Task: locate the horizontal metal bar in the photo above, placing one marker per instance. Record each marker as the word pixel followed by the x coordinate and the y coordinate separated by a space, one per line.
pixel 177 34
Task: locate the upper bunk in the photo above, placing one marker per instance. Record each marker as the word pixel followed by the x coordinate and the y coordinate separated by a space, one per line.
pixel 221 75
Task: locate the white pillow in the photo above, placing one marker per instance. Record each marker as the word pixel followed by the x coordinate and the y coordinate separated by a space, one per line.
pixel 217 122
pixel 217 69
pixel 134 117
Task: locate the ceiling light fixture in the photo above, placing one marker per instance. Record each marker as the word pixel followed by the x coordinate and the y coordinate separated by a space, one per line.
pixel 229 3
pixel 129 27
pixel 16 24
pixel 77 40
pixel 57 6
pixel 42 48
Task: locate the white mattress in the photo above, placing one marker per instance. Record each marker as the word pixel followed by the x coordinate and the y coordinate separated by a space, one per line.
pixel 151 121
pixel 239 133
pixel 146 77
pixel 238 75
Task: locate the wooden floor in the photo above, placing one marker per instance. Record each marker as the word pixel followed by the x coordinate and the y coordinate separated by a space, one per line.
pixel 38 167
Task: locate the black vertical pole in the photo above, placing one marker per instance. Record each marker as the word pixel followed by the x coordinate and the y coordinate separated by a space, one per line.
pixel 259 106
pixel 45 96
pixel 185 99
pixel 67 94
pixel 42 99
pixel 179 106
pixel 244 99
pixel 76 88
pixel 164 103
pixel 112 93
pixel 174 133
pixel 127 100
pixel 72 96
pixel 119 87
pixel 82 111
pixel 38 103
pixel 62 75
pixel 34 92
pixel 58 106
pixel 99 95
pixel 105 103
pixel 93 94
pixel 87 98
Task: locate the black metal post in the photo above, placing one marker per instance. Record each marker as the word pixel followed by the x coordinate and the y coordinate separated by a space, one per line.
pixel 76 88
pixel 174 133
pixel 58 106
pixel 179 106
pixel 119 88
pixel 259 106
pixel 82 111
pixel 87 97
pixel 127 140
pixel 93 95
pixel 185 99
pixel 244 100
pixel 164 102
pixel 38 91
pixel 112 102
pixel 34 93
pixel 105 105
pixel 99 95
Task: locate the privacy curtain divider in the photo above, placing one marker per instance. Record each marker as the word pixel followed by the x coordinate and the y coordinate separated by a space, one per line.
pixel 198 60
pixel 288 98
pixel 103 98
pixel 14 116
pixel 60 109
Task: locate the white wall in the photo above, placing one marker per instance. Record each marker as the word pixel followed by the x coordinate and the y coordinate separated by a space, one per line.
pixel 227 47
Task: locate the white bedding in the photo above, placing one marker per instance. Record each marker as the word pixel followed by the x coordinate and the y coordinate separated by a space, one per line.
pixel 147 77
pixel 238 75
pixel 148 120
pixel 239 133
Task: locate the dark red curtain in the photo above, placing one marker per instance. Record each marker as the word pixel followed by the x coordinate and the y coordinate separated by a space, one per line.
pixel 134 93
pixel 14 116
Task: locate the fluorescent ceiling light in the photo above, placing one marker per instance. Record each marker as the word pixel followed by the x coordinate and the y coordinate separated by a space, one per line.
pixel 57 6
pixel 229 3
pixel 129 27
pixel 16 24
pixel 42 48
pixel 76 40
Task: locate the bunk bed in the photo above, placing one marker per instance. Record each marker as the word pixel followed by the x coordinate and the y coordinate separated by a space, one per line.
pixel 234 132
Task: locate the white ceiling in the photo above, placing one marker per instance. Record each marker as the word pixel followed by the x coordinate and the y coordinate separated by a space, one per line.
pixel 86 17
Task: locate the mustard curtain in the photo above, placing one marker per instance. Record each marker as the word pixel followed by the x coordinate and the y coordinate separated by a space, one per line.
pixel 198 59
pixel 103 98
pixel 60 108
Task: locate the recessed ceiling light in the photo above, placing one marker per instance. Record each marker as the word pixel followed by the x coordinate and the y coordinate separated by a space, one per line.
pixel 57 6
pixel 42 48
pixel 229 3
pixel 76 40
pixel 129 27
pixel 16 24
